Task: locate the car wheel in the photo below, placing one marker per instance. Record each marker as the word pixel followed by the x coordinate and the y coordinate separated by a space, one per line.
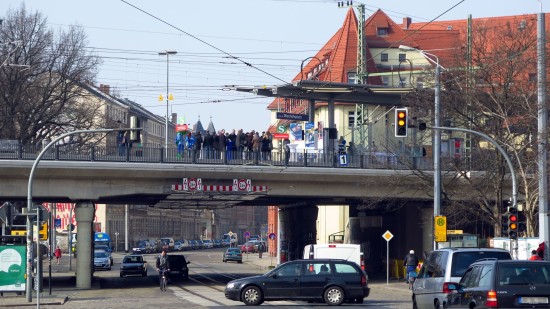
pixel 334 296
pixel 252 296
pixel 437 304
pixel 109 268
pixel 224 261
pixel 240 262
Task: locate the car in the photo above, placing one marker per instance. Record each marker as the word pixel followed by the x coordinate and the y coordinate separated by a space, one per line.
pixel 502 284
pixel 442 266
pixel 303 280
pixel 178 264
pixel 232 254
pixel 249 247
pixel 133 264
pixel 102 260
pixel 141 247
pixel 208 244
pixel 107 250
pixel 178 245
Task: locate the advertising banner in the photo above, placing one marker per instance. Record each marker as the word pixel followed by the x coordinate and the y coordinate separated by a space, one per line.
pixel 310 134
pixel 296 131
pixel 13 267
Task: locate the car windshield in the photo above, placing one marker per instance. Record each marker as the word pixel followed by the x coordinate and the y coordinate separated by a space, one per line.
pixel 132 259
pixel 524 274
pixel 100 254
pixel 233 250
pixel 462 260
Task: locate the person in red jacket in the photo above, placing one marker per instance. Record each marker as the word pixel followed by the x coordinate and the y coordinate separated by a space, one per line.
pixel 57 254
pixel 535 256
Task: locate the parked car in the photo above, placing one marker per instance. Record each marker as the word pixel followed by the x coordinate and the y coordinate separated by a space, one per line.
pixel 178 265
pixel 218 243
pixel 502 284
pixel 101 260
pixel 207 244
pixel 200 244
pixel 167 244
pixel 193 244
pixel 178 245
pixel 185 245
pixel 444 266
pixel 249 247
pixel 141 247
pixel 232 254
pixel 303 280
pixel 133 264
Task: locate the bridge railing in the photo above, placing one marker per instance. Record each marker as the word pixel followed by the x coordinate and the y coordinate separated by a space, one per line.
pixel 157 154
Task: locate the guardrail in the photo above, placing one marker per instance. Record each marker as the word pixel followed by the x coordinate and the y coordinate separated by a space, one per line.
pixel 369 160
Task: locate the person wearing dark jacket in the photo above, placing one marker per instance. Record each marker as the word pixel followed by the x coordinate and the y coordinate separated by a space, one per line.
pixel 163 264
pixel 197 146
pixel 207 144
pixel 410 262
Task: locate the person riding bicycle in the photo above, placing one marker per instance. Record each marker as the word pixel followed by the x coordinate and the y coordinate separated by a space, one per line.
pixel 163 264
pixel 410 262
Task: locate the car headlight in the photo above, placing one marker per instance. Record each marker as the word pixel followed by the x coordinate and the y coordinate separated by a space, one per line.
pixel 231 285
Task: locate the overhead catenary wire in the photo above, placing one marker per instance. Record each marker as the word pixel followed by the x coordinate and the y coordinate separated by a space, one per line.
pixel 204 42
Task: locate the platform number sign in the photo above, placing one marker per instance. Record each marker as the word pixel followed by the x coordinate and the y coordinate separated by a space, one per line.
pixel 343 159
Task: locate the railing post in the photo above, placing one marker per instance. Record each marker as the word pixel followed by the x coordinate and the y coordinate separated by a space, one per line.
pixel 161 153
pixel 128 153
pixel 92 153
pixel 20 153
pixel 224 154
pixel 305 158
pixel 362 162
pixel 56 152
pixel 194 158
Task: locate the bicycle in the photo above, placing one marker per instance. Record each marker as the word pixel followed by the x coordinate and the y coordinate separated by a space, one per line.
pixel 163 280
pixel 412 277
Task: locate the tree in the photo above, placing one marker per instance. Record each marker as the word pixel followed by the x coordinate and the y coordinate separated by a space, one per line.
pixel 40 77
pixel 492 91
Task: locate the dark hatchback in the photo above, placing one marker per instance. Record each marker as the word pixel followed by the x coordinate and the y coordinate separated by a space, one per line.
pixel 331 281
pixel 178 264
pixel 494 283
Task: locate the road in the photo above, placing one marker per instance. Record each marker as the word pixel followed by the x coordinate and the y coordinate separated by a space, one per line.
pixel 204 289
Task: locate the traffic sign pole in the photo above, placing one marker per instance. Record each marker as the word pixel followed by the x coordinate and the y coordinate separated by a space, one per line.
pixel 387 236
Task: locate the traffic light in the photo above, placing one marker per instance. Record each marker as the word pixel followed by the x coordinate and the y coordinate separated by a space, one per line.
pixel 135 135
pixel 504 226
pixel 43 231
pixel 401 122
pixel 513 222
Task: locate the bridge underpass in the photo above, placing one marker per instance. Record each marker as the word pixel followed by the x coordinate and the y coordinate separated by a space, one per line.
pixel 296 191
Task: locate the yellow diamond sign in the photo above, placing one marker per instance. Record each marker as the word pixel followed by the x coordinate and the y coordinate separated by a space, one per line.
pixel 387 236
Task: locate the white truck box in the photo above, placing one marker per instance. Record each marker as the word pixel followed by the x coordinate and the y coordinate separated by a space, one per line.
pixel 350 252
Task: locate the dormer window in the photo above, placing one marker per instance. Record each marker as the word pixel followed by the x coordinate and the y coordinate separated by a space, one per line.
pixel 382 31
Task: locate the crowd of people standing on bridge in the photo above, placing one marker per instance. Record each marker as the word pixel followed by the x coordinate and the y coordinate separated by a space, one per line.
pixel 233 145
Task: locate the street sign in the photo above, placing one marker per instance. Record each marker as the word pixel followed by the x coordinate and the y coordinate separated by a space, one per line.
pixel 440 228
pixel 272 236
pixel 192 184
pixel 387 236
pixel 230 233
pixel 455 232
pixel 289 116
pixel 281 128
pixel 246 234
pixel 57 223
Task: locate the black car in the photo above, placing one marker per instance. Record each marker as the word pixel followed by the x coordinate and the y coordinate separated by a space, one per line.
pixel 133 264
pixel 178 265
pixel 331 281
pixel 502 284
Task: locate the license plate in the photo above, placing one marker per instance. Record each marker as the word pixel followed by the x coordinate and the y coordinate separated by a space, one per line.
pixel 533 300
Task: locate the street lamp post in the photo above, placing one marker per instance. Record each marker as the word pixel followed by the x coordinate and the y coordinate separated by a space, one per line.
pixel 167 53
pixel 116 241
pixel 437 133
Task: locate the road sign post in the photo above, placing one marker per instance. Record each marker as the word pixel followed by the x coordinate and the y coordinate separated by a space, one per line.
pixel 387 236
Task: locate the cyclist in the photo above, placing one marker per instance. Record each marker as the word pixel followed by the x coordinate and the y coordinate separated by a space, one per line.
pixel 163 264
pixel 410 262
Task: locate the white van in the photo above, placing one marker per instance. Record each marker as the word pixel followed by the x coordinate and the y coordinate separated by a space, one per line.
pixel 167 243
pixel 350 252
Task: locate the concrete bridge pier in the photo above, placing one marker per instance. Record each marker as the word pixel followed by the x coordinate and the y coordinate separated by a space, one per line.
pixel 297 228
pixel 84 264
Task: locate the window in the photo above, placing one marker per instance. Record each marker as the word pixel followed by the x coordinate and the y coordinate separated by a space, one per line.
pixel 385 80
pixel 473 277
pixel 384 57
pixel 351 119
pixel 352 78
pixel 402 57
pixel 382 31
pixel 289 270
pixel 435 265
pixel 486 276
pixel 345 269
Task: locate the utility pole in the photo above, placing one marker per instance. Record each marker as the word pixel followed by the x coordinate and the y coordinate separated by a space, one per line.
pixel 542 136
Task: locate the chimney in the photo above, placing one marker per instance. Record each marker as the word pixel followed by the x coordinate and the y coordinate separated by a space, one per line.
pixel 406 22
pixel 104 88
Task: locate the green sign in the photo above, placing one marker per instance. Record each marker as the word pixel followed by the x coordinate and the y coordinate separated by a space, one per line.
pixel 281 129
pixel 13 267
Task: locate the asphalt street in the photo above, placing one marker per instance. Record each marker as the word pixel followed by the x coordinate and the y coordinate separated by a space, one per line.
pixel 204 289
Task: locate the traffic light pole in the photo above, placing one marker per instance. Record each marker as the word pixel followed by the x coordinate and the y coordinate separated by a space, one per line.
pixel 29 281
pixel 514 245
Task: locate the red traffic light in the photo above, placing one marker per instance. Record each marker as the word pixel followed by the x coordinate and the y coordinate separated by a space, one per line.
pixel 513 218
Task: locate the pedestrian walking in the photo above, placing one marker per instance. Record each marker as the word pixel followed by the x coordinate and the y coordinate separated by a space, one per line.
pixel 261 249
pixel 57 254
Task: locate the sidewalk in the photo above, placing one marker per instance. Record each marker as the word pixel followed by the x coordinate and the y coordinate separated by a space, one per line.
pixel 63 282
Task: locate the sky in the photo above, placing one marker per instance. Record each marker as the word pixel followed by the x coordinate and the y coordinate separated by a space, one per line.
pixel 220 43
